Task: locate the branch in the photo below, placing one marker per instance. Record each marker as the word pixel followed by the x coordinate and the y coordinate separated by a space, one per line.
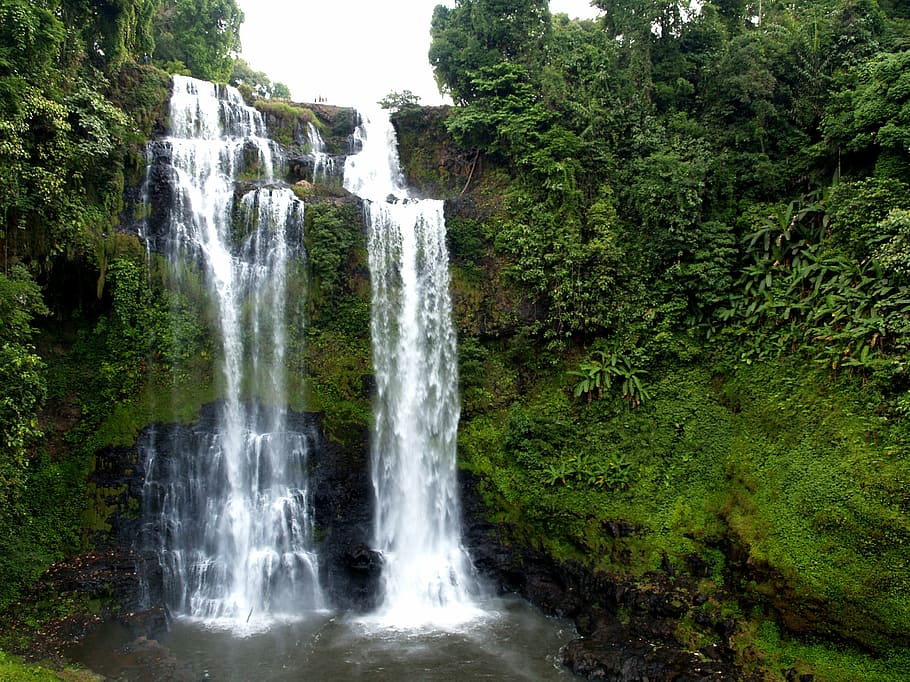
pixel 471 174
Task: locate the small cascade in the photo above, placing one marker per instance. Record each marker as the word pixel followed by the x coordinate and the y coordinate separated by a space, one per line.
pixel 428 578
pixel 230 503
pixel 323 163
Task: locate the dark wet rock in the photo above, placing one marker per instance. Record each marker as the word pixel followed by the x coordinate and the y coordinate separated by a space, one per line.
pixel 151 623
pixel 641 645
pixel 698 567
pixel 703 619
pixel 620 528
pixel 146 659
pixel 342 504
pixel 364 560
pixel 159 197
pixel 615 656
pixel 725 628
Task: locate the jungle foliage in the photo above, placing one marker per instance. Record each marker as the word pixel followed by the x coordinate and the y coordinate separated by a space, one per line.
pixel 705 214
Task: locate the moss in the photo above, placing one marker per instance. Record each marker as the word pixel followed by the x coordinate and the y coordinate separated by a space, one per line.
pixel 772 456
pixel 103 502
pixel 334 240
pixel 143 91
pixel 284 119
pixel 826 662
pixel 816 505
pixel 340 381
pixel 431 163
pixel 13 669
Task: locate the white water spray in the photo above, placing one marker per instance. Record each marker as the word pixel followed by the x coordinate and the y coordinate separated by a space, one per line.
pixel 236 530
pixel 323 163
pixel 428 578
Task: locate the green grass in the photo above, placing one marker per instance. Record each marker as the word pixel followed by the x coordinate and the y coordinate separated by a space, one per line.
pixel 797 470
pixel 827 662
pixel 12 669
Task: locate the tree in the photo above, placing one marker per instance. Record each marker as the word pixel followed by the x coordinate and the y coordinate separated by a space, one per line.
pixel 204 35
pixel 894 252
pixel 869 116
pixel 399 100
pixel 639 25
pixel 255 84
pixel 666 190
pixel 244 77
pixel 280 90
pixel 856 209
pixel 110 32
pixel 478 34
pixel 22 381
pixel 30 37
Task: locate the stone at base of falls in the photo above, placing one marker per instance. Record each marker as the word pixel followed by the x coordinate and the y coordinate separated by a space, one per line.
pixel 614 654
pixel 97 586
pixel 641 644
pixel 341 505
pixel 364 560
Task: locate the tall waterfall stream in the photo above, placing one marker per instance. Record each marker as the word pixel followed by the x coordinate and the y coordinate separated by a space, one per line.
pixel 229 506
pixel 232 509
pixel 427 575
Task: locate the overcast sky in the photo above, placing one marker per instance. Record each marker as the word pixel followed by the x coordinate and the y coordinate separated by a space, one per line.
pixel 350 52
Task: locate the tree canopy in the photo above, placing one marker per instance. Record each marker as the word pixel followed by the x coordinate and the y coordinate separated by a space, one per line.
pixel 693 128
pixel 203 35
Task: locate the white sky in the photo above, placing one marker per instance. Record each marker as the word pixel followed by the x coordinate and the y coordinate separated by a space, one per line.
pixel 350 52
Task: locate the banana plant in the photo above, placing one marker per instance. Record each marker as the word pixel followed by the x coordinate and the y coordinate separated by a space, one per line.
pixel 603 370
pixel 596 374
pixel 558 473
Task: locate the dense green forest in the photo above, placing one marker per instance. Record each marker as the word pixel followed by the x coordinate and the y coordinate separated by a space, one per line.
pixel 680 248
pixel 682 282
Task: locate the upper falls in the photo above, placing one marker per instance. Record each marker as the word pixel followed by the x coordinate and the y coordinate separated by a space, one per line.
pixel 428 578
pixel 230 503
pixel 227 506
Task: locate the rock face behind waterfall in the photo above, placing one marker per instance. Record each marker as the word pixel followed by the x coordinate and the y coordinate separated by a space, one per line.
pixel 342 509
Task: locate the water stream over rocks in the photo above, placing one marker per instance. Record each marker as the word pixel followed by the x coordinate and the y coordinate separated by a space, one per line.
pixel 427 578
pixel 230 507
pixel 230 503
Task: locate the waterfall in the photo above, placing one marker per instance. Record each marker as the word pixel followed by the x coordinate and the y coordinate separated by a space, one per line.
pixel 428 578
pixel 230 503
pixel 323 164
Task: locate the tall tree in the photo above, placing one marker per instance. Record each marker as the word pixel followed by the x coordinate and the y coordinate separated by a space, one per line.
pixel 868 121
pixel 202 35
pixel 639 25
pixel 109 32
pixel 482 33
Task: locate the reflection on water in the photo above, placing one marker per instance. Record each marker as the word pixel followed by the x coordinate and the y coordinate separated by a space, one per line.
pixel 512 641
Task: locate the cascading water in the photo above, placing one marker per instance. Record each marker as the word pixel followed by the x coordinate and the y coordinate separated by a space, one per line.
pixel 225 511
pixel 323 163
pixel 428 578
pixel 230 504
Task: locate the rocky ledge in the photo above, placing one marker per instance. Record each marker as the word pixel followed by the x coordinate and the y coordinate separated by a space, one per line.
pixel 628 630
